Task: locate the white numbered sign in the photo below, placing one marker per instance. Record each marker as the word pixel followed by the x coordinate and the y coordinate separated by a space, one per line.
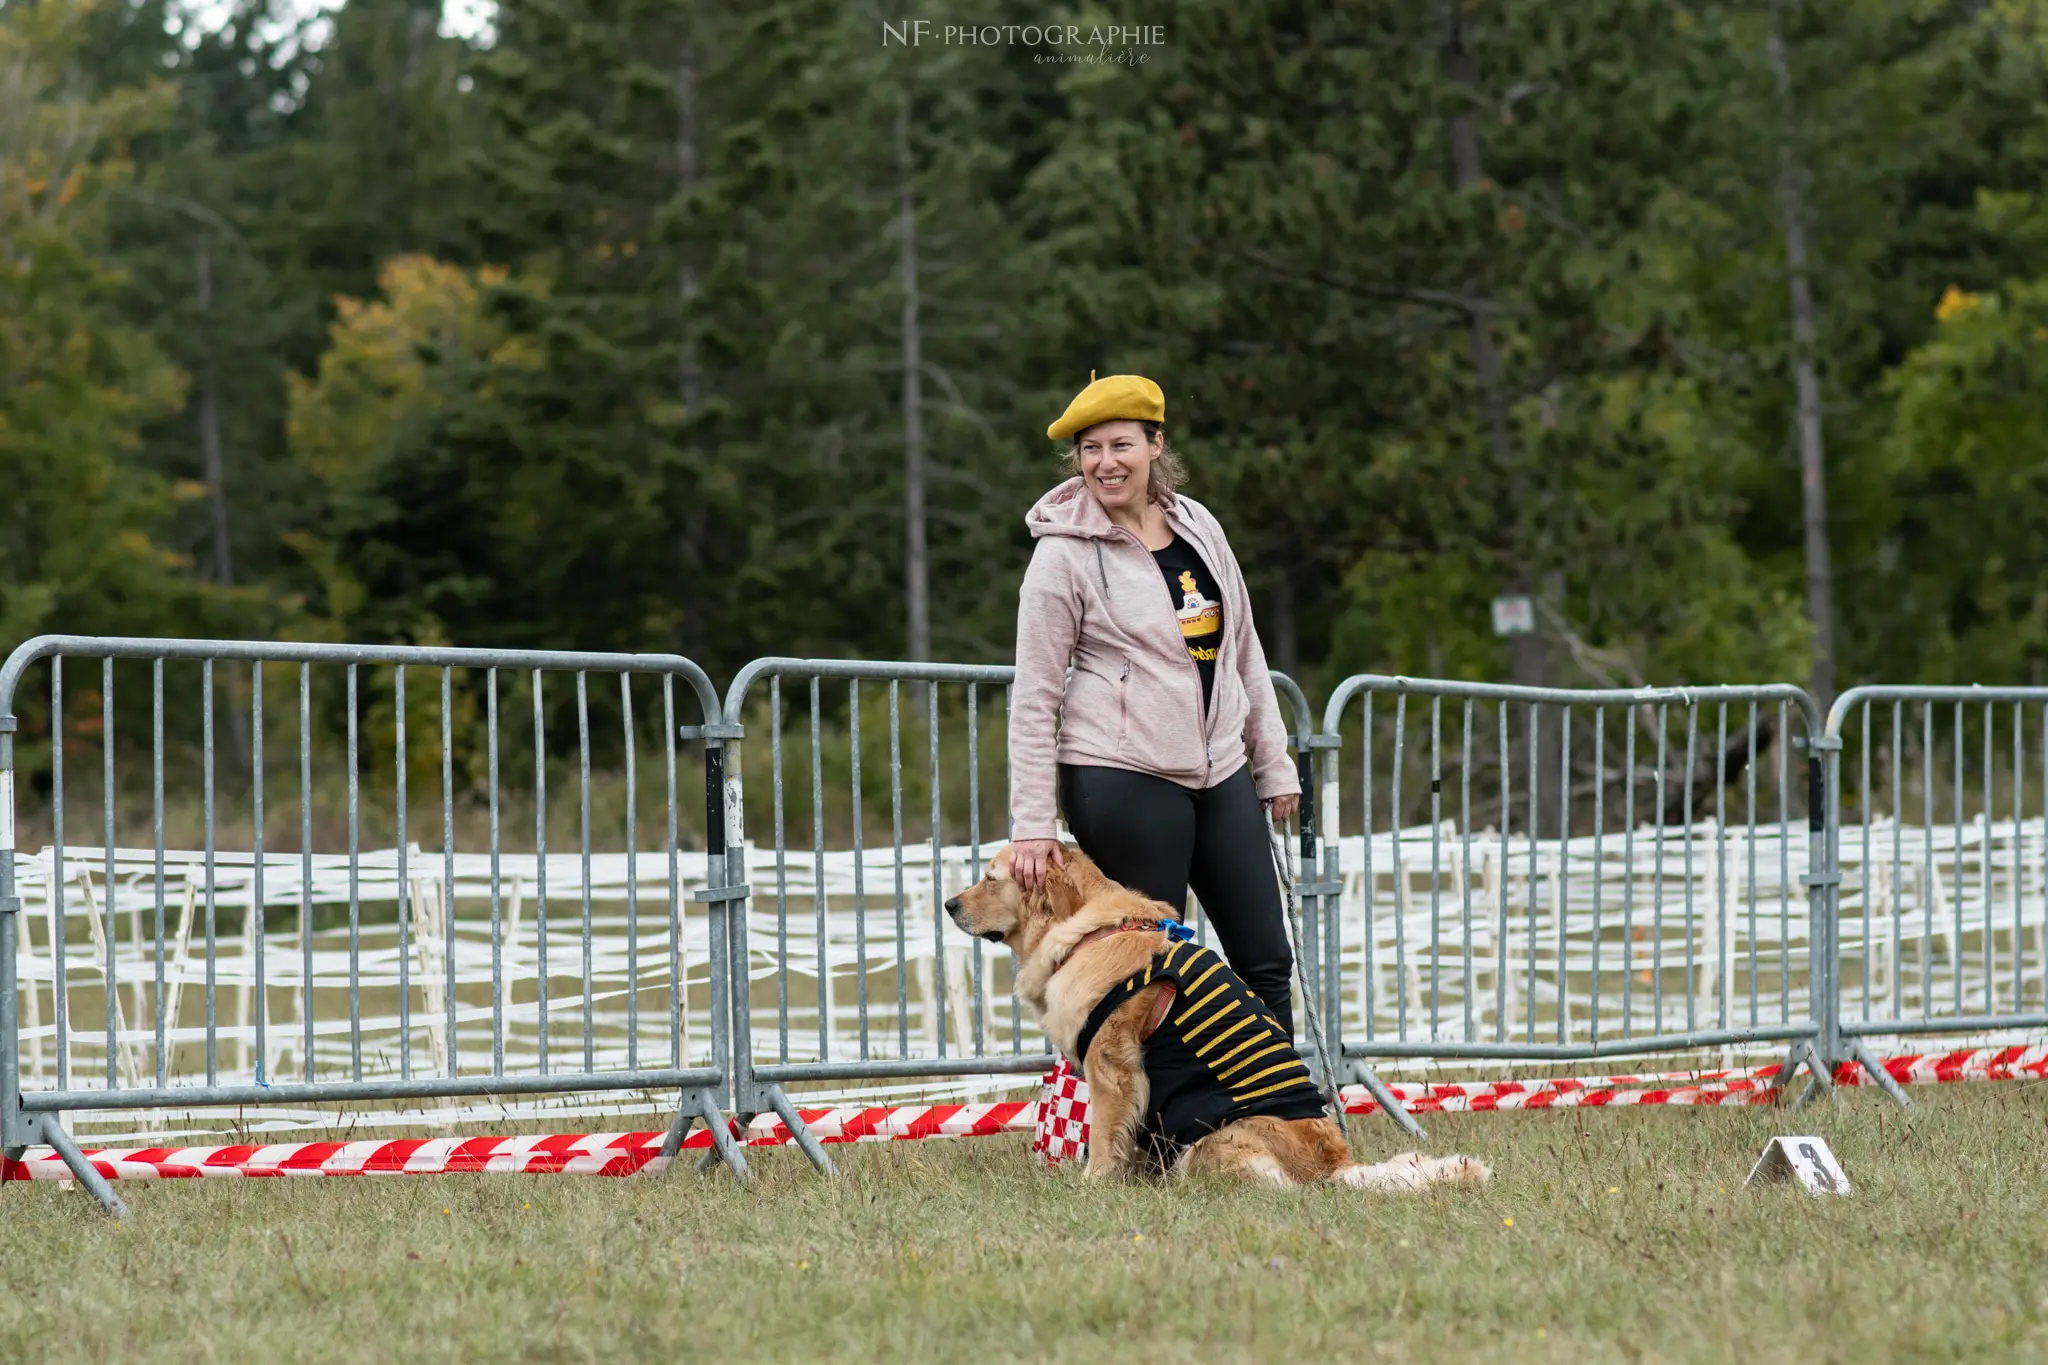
pixel 1806 1159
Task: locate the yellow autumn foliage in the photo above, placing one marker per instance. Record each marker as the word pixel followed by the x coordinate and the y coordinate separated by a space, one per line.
pixel 394 359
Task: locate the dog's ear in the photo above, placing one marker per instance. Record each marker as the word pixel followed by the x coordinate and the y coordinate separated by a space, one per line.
pixel 1064 895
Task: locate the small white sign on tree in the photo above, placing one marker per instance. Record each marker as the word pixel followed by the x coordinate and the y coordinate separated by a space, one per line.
pixel 1806 1159
pixel 1514 616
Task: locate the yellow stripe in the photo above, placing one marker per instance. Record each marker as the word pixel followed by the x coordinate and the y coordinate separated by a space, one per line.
pixel 1283 1085
pixel 1191 987
pixel 1170 951
pixel 1224 1074
pixel 1260 1076
pixel 1148 973
pixel 1193 1005
pixel 1188 1035
pixel 1246 1022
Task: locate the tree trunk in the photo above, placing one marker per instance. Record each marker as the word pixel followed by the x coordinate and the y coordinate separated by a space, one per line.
pixel 213 470
pixel 1812 453
pixel 915 568
pixel 1527 656
pixel 1286 639
pixel 694 515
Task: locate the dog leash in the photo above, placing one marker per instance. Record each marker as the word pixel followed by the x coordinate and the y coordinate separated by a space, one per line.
pixel 1285 869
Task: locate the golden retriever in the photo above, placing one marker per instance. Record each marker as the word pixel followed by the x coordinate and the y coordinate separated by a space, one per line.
pixel 1071 953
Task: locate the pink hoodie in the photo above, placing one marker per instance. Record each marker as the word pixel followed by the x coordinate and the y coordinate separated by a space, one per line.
pixel 1094 597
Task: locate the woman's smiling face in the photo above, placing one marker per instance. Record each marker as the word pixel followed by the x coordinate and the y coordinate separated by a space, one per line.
pixel 1116 463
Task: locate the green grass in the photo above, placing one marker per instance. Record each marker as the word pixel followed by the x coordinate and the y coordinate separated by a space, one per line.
pixel 1631 1239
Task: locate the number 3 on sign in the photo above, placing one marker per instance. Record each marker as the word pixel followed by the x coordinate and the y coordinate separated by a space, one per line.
pixel 1806 1159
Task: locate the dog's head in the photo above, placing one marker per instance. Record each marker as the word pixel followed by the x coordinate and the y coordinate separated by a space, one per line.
pixel 998 909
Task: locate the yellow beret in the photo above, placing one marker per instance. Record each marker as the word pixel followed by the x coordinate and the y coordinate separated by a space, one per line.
pixel 1129 396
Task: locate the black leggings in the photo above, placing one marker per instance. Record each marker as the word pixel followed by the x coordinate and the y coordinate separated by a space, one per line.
pixel 1159 838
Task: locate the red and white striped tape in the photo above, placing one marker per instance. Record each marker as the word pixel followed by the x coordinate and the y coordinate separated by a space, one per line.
pixel 617 1154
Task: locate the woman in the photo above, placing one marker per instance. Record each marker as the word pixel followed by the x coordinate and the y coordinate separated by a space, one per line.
pixel 1165 736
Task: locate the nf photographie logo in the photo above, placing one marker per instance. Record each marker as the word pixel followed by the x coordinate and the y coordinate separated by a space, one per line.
pixel 1114 44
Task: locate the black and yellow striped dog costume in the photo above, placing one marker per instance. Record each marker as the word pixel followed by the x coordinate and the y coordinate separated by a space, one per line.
pixel 1218 1056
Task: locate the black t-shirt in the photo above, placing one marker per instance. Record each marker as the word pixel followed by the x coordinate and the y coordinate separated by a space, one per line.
pixel 1198 602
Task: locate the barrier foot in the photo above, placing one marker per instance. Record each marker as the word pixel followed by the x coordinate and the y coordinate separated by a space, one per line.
pixel 740 1120
pixel 696 1105
pixel 1389 1106
pixel 801 1131
pixel 1818 1079
pixel 95 1184
pixel 1876 1071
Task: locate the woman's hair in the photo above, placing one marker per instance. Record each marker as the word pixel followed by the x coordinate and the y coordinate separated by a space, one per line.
pixel 1168 473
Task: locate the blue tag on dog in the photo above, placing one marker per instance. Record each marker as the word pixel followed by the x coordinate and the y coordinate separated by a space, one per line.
pixel 1176 932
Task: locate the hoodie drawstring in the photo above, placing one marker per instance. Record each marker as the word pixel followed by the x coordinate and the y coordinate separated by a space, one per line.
pixel 1100 571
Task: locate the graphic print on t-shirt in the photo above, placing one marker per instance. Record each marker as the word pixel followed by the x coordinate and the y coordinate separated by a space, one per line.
pixel 1197 607
pixel 1201 621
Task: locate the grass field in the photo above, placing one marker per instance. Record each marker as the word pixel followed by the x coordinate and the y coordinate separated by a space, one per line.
pixel 1619 1235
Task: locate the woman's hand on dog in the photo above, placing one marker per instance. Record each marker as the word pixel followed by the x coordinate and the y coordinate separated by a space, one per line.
pixel 1029 859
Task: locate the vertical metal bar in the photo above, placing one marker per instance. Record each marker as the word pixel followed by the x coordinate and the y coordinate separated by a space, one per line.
pixel 405 903
pixel 355 931
pixel 1721 980
pixel 781 871
pixel 974 853
pixel 818 897
pixel 1984 823
pixel 1564 841
pixel 1785 871
pixel 1535 833
pixel 2019 813
pixel 1749 838
pixel 1400 872
pixel 1864 873
pixel 206 728
pixel 306 858
pixel 1009 784
pixel 1599 859
pixel 1692 993
pixel 1927 867
pixel 583 770
pixel 156 819
pixel 1657 884
pixel 896 825
pixel 448 862
pixel 156 809
pixel 259 904
pixel 1628 885
pixel 1371 897
pixel 632 874
pixel 1955 963
pixel 60 969
pixel 107 804
pixel 540 866
pixel 931 715
pixel 677 984
pixel 1898 821
pixel 497 875
pixel 860 882
pixel 1465 831
pixel 1436 802
pixel 1500 975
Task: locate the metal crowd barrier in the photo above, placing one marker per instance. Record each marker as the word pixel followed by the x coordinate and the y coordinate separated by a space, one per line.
pixel 1564 875
pixel 1488 873
pixel 1944 911
pixel 390 973
pixel 846 968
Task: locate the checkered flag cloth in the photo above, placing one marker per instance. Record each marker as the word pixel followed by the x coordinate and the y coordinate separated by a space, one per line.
pixel 1061 1133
